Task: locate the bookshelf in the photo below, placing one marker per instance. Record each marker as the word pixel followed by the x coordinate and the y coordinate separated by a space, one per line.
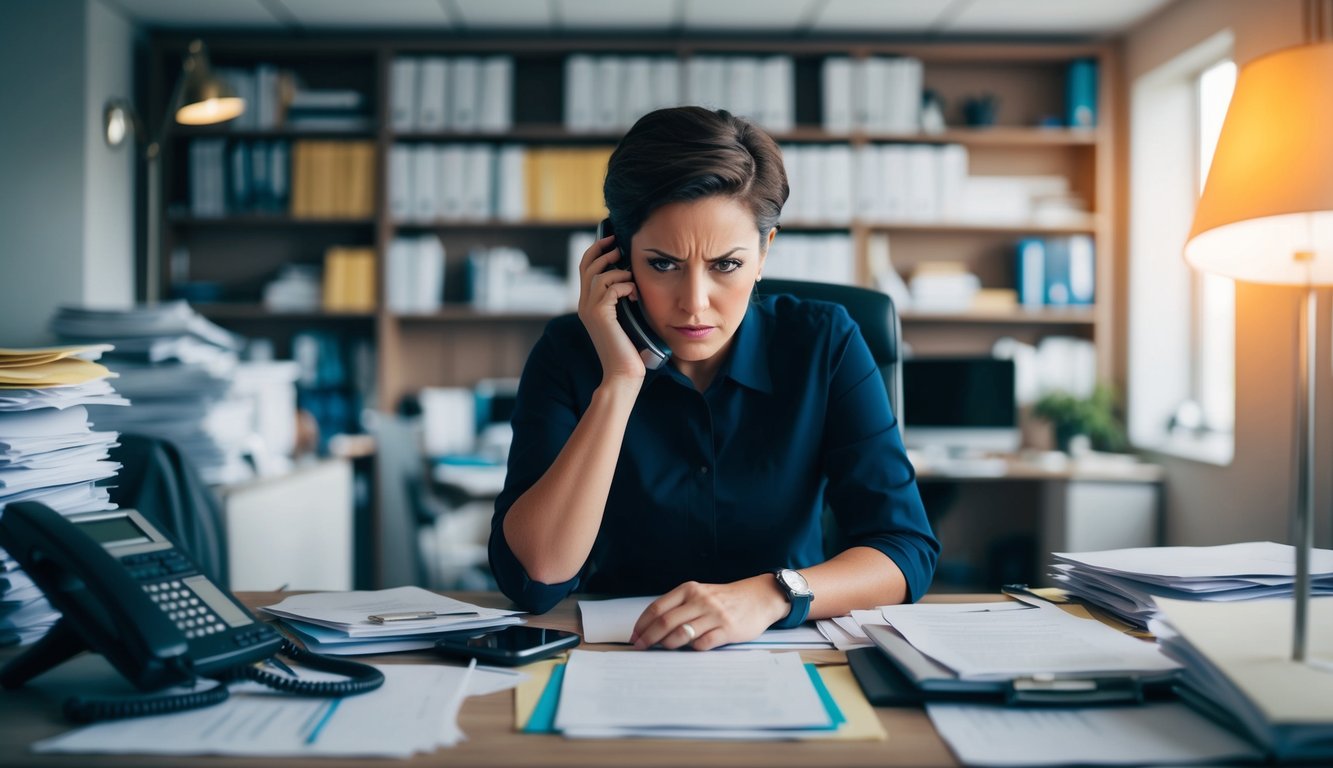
pixel 235 254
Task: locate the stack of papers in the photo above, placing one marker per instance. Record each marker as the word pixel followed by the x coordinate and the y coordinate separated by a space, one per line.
pixel 986 642
pixel 1127 582
pixel 1237 659
pixel 178 368
pixel 416 710
pixel 612 621
pixel 743 695
pixel 49 453
pixel 338 623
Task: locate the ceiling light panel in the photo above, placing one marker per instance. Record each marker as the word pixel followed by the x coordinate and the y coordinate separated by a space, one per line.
pixel 347 15
pixel 881 16
pixel 747 15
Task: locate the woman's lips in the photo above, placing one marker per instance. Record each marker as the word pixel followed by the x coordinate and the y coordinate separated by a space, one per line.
pixel 693 331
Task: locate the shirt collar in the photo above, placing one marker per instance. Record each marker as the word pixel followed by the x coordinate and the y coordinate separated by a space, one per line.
pixel 748 363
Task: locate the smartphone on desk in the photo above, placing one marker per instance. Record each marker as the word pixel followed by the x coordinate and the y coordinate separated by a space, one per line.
pixel 509 646
pixel 652 350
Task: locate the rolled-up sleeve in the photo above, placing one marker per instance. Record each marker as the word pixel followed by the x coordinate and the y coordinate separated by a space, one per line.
pixel 871 484
pixel 545 414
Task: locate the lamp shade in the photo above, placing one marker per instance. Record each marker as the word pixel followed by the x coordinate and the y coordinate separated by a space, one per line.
pixel 205 98
pixel 1269 194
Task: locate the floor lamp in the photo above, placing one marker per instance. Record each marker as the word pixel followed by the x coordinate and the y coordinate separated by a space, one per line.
pixel 199 98
pixel 1266 216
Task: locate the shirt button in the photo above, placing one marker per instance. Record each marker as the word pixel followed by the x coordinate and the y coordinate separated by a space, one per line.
pixel 703 470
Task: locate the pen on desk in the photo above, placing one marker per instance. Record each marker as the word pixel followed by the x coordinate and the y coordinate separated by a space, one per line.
pixel 384 618
pixel 323 721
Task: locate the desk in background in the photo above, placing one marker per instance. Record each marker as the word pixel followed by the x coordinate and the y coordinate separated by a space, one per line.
pixel 26 716
pixel 1077 508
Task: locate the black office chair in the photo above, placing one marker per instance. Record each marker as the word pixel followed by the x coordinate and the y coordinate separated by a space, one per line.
pixel 873 313
pixel 159 481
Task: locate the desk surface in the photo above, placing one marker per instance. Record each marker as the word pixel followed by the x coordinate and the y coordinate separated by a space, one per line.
pixel 27 715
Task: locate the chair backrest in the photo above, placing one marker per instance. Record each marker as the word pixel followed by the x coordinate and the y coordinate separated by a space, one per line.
pixel 156 479
pixel 874 314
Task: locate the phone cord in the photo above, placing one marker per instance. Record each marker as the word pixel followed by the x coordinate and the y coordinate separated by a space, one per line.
pixel 363 678
pixel 90 709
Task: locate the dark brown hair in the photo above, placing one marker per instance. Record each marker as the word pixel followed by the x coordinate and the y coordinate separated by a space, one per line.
pixel 687 153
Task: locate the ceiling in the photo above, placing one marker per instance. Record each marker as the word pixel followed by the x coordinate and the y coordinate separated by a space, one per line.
pixel 944 18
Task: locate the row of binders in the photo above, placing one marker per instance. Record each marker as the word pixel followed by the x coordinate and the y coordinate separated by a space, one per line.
pixel 836 184
pixel 815 258
pixel 238 177
pixel 479 182
pixel 878 94
pixel 610 93
pixel 1056 271
pixel 462 94
pixel 308 178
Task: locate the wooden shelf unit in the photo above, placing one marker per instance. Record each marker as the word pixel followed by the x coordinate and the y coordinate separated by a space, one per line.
pixel 458 345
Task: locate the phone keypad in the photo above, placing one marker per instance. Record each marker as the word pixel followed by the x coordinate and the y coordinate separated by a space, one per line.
pixel 184 608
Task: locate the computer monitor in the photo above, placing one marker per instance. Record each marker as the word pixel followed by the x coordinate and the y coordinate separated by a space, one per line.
pixel 961 404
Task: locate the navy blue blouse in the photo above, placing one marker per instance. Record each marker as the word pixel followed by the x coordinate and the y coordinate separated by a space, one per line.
pixel 729 483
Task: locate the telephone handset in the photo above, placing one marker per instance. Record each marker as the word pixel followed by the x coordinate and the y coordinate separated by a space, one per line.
pixel 126 591
pixel 652 350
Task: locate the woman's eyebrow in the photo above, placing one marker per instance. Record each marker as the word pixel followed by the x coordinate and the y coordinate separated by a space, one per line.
pixel 666 255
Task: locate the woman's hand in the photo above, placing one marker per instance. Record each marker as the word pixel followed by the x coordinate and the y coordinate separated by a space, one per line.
pixel 704 616
pixel 600 290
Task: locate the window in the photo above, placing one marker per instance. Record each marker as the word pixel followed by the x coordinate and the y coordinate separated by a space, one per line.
pixel 1182 324
pixel 1214 296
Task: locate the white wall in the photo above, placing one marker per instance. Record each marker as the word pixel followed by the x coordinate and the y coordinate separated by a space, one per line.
pixel 66 221
pixel 1251 498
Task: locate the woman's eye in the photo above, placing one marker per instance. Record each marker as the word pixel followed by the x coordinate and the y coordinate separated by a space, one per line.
pixel 728 265
pixel 661 265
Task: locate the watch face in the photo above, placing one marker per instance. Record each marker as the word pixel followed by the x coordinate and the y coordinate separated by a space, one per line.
pixel 794 581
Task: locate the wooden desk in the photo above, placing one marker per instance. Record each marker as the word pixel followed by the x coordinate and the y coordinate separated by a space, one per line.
pixel 28 714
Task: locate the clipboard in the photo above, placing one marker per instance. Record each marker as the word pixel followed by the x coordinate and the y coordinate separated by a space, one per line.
pixel 895 674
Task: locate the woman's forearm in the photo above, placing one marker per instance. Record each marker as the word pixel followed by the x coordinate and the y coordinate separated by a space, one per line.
pixel 551 528
pixel 857 578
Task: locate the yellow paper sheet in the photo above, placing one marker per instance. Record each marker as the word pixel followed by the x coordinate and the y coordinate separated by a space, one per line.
pixel 862 722
pixel 55 373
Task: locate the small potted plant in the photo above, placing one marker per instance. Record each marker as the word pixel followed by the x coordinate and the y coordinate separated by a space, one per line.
pixel 1095 416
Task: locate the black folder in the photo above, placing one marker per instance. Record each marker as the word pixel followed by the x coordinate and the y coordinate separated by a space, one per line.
pixel 894 674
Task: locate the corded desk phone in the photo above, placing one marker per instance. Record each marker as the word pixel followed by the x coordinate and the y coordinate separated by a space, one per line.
pixel 127 591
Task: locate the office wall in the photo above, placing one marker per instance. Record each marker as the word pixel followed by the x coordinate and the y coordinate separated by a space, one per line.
pixel 1252 497
pixel 64 234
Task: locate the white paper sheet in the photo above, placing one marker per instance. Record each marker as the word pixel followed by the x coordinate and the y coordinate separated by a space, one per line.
pixel 612 621
pixel 658 689
pixel 984 735
pixel 1003 644
pixel 415 711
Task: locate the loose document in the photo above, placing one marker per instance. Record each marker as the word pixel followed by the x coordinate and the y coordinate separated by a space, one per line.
pixel 691 695
pixel 999 645
pixel 1162 733
pixel 416 710
pixel 612 621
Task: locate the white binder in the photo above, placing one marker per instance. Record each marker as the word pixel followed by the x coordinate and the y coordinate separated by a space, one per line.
pixel 403 94
pixel 432 95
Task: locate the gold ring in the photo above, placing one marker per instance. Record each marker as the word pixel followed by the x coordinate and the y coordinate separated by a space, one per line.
pixel 689 630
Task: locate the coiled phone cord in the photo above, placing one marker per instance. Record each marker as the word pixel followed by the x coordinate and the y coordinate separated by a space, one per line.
pixel 362 678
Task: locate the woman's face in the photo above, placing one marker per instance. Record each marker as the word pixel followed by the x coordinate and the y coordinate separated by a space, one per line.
pixel 695 264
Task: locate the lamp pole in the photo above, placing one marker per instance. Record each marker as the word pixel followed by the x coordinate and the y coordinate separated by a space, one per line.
pixel 1305 429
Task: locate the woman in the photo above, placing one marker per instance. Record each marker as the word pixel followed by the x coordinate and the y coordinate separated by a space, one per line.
pixel 704 480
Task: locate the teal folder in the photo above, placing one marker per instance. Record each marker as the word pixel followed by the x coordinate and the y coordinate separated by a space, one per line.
pixel 543 715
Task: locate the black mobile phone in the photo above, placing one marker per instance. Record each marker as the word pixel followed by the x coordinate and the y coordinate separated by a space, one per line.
pixel 652 350
pixel 509 646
